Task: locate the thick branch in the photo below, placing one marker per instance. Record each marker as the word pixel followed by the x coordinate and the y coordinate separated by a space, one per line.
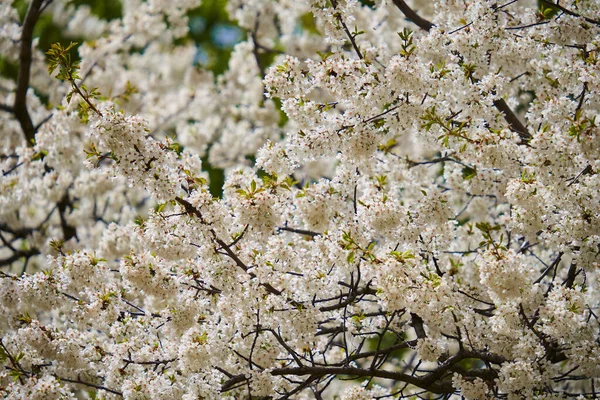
pixel 68 230
pixel 413 16
pixel 7 108
pixel 417 324
pixel 433 381
pixel 20 105
pixel 299 231
pixel 316 372
pixel 513 121
pixel 253 35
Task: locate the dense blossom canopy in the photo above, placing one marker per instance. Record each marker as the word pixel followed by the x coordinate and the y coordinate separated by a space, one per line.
pixel 411 202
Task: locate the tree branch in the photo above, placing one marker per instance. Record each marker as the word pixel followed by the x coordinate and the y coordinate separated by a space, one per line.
pixel 7 108
pixel 299 231
pixel 413 16
pixel 569 12
pixel 89 384
pixel 513 122
pixel 317 372
pixel 20 104
pixel 17 255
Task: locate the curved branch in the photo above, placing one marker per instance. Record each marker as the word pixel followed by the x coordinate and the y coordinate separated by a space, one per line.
pixel 413 16
pixel 316 372
pixel 20 104
pixel 569 12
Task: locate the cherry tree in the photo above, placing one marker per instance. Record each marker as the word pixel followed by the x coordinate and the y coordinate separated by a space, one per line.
pixel 411 202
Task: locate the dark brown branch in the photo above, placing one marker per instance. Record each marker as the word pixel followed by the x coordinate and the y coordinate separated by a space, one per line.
pixel 299 231
pixel 286 347
pixel 4 173
pixel 553 352
pixel 581 99
pixel 155 364
pixel 571 275
pixel 89 384
pixel 261 68
pixel 384 351
pixel 413 16
pixel 68 230
pixel 7 108
pixel 446 158
pixel 377 118
pixel 20 104
pixel 587 170
pixel 232 382
pixel 569 12
pixel 547 270
pixel 317 372
pixel 513 28
pixel 351 37
pixel 190 209
pixel 299 388
pixel 513 122
pixel 476 299
pixel 42 122
pixel 237 239
pixel 417 324
pixel 17 255
pixel 243 266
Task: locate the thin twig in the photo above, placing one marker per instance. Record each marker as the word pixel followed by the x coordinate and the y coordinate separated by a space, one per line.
pixel 351 37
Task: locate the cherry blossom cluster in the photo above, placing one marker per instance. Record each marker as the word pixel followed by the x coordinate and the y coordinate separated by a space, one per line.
pixel 410 204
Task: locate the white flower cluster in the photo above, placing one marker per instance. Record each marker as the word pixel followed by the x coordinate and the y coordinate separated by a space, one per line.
pixel 145 162
pixel 410 199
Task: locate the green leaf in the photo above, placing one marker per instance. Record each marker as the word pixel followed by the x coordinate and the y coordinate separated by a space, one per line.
pixel 139 220
pixel 15 374
pixel 324 56
pixel 176 147
pixel 468 173
pixel 350 257
pixel 39 155
pixel 402 256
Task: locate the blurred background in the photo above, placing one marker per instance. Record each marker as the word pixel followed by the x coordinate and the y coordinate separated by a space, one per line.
pixel 211 29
